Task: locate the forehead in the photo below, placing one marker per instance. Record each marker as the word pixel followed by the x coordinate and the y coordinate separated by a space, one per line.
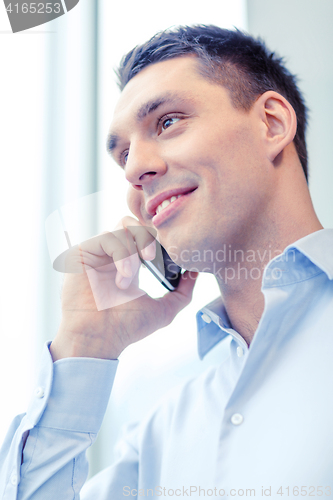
pixel 174 79
pixel 174 74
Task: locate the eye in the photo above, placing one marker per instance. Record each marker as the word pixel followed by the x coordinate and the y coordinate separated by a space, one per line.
pixel 166 122
pixel 123 157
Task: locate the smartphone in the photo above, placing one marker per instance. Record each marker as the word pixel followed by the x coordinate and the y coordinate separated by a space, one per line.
pixel 163 268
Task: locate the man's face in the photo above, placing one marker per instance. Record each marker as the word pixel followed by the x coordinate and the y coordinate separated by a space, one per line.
pixel 178 137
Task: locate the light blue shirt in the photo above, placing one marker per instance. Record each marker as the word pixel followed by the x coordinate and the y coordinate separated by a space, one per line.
pixel 260 421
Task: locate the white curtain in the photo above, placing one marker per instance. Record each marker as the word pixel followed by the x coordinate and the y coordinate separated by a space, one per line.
pixel 48 159
pixel 22 124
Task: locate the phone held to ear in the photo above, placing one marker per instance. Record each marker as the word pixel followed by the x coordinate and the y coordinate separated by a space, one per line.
pixel 164 269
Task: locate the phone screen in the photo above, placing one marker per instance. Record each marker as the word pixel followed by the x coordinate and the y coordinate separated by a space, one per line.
pixel 164 269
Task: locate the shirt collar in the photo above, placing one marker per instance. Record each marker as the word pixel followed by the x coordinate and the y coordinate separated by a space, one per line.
pixel 211 323
pixel 318 248
pixel 314 254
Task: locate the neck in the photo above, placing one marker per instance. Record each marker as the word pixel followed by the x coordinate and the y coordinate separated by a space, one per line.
pixel 289 217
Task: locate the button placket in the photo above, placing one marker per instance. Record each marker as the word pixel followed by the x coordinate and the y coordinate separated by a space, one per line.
pixel 39 392
pixel 206 318
pixel 13 479
pixel 237 419
pixel 240 351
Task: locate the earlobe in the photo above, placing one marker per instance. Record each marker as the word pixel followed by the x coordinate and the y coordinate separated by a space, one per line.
pixel 279 121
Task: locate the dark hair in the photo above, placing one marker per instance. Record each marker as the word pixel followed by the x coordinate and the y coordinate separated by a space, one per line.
pixel 240 63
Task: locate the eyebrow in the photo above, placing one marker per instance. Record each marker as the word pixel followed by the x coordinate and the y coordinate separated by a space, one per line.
pixel 145 110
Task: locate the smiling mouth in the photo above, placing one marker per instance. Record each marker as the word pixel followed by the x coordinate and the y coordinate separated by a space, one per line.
pixel 167 202
pixel 169 207
pixel 170 200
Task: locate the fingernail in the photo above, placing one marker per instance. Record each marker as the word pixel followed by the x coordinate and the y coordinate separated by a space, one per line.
pixel 149 251
pixel 124 283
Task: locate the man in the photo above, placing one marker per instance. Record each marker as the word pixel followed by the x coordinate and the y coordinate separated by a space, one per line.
pixel 210 132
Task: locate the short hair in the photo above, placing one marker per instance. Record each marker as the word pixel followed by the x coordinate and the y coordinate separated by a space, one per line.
pixel 231 58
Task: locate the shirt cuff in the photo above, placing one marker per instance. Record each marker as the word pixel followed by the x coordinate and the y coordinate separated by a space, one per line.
pixel 72 393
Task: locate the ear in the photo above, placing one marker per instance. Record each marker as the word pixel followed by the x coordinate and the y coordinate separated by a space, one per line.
pixel 279 122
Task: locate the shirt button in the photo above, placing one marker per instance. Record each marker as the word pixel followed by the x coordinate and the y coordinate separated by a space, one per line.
pixel 39 392
pixel 240 351
pixel 206 318
pixel 237 419
pixel 276 273
pixel 13 479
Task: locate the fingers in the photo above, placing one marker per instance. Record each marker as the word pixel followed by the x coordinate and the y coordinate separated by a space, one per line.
pixel 115 251
pixel 143 236
pixel 120 247
pixel 127 269
pixel 135 238
pixel 149 252
pixel 183 294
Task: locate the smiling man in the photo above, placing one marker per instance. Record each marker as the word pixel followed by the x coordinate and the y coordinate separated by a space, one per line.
pixel 210 132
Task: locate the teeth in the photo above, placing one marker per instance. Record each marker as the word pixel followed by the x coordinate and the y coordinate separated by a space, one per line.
pixel 165 203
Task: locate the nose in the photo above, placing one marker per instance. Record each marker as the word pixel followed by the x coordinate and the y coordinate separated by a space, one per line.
pixel 144 163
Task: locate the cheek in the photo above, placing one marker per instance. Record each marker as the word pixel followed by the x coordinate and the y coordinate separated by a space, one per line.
pixel 134 200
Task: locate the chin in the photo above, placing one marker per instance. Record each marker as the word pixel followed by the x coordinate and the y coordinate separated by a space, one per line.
pixel 191 257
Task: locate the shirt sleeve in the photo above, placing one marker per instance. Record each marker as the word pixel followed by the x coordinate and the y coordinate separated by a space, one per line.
pixel 122 477
pixel 43 455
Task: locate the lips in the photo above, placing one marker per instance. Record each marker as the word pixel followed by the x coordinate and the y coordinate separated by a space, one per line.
pixel 152 204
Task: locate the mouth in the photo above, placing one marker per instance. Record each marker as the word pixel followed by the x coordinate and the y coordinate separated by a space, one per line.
pixel 164 205
pixel 162 200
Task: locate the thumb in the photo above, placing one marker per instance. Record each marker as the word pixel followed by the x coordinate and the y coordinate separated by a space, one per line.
pixel 186 286
pixel 174 302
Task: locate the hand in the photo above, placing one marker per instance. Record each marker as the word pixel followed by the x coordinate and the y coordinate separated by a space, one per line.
pixel 104 310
